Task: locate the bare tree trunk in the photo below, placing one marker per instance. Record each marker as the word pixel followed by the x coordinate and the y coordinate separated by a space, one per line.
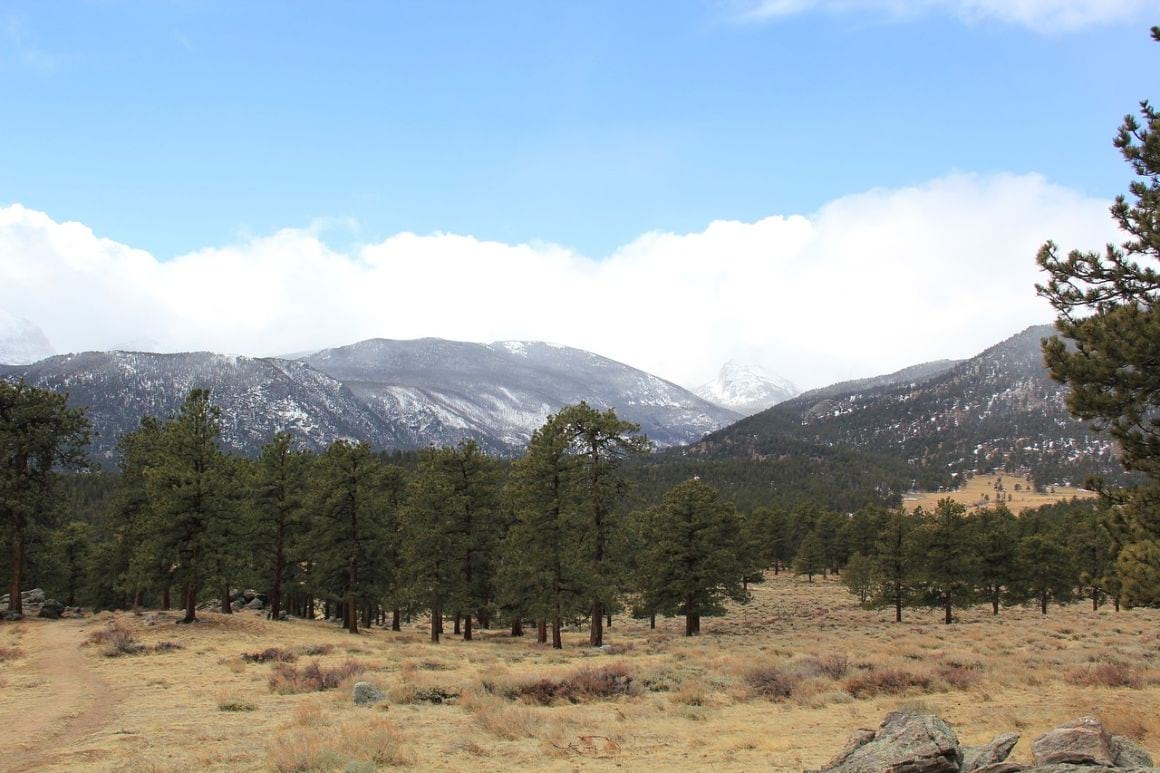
pixel 517 626
pixel 467 627
pixel 542 631
pixel 455 630
pixel 436 618
pixel 396 620
pixel 947 607
pixel 557 639
pixel 190 603
pixel 1043 604
pixel 596 633
pixel 652 621
pixel 226 608
pixel 165 598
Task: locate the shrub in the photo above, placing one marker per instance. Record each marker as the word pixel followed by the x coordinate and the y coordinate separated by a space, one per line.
pixel 270 655
pixel 958 676
pixel 167 646
pixel 235 704
pixel 1105 675
pixel 582 684
pixel 286 679
pixel 370 744
pixel 886 682
pixel 833 666
pixel 771 682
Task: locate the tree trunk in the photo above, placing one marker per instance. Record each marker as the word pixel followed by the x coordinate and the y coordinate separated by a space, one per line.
pixel 1043 604
pixel 557 640
pixel 995 601
pixel 542 631
pixel 947 607
pixel 226 608
pixel 652 621
pixel 436 628
pixel 456 631
pixel 138 598
pixel 396 620
pixel 467 627
pixel 1116 603
pixel 190 604
pixel 608 620
pixel 596 634
pixel 689 625
pixel 1095 599
pixel 279 570
pixel 351 614
pixel 897 606
pixel 517 626
pixel 165 598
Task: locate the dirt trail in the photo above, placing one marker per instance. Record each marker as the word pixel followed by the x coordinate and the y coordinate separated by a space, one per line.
pixel 61 702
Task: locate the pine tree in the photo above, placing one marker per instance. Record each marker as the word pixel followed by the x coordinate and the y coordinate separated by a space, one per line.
pixel 996 534
pixel 767 532
pixel 279 494
pixel 1109 343
pixel 39 434
pixel 693 555
pixel 950 558
pixel 897 565
pixel 190 494
pixel 811 556
pixel 1047 570
pixel 349 531
pixel 858 576
pixel 601 442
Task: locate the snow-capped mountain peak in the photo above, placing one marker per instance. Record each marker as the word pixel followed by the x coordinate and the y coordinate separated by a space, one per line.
pixel 746 388
pixel 21 342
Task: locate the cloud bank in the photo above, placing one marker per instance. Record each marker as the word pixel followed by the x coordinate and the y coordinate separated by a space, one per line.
pixel 1042 15
pixel 869 283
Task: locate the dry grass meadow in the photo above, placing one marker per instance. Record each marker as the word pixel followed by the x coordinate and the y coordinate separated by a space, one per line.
pixel 777 684
pixel 981 491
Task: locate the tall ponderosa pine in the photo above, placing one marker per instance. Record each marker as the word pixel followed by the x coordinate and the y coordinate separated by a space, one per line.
pixel 693 554
pixel 349 532
pixel 39 434
pixel 189 487
pixel 1047 570
pixel 811 556
pixel 1109 344
pixel 541 573
pixel 996 534
pixel 600 442
pixel 279 494
pixel 897 562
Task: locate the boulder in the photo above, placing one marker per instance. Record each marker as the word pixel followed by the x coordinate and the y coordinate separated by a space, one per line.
pixel 366 694
pixel 10 616
pixel 1130 755
pixel 904 743
pixel 51 609
pixel 1081 742
pixel 256 603
pixel 998 750
pixel 34 596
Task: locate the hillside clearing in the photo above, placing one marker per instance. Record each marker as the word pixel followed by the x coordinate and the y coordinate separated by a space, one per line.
pixel 1018 493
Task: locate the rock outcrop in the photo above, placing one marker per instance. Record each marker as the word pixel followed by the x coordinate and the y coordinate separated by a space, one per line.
pixel 923 743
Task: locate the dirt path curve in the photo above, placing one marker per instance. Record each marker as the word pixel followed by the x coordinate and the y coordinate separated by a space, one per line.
pixel 63 701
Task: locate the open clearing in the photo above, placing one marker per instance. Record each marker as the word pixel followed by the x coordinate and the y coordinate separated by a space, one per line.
pixel 983 490
pixel 692 703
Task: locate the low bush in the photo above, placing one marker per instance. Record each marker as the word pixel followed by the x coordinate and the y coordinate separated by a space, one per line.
pixel 771 682
pixel 581 685
pixel 833 666
pixel 958 676
pixel 886 682
pixel 372 745
pixel 270 655
pixel 1105 675
pixel 287 679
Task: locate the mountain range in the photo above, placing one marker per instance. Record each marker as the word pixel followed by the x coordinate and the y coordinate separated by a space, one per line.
pixel 389 394
pixel 746 388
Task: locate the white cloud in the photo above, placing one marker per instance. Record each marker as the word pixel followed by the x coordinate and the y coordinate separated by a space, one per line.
pixel 1044 15
pixel 869 283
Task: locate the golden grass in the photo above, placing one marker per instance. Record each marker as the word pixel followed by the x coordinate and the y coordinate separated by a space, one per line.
pixel 662 701
pixel 983 491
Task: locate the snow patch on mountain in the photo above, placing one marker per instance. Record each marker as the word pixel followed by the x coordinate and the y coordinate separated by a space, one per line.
pixel 746 388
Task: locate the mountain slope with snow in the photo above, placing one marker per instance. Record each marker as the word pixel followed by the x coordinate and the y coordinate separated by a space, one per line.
pixel 21 341
pixel 746 389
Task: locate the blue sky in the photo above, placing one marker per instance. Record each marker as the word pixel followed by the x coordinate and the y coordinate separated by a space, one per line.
pixel 178 126
pixel 173 125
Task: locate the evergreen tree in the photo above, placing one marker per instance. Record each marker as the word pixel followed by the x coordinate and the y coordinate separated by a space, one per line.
pixel 897 565
pixel 349 532
pixel 135 555
pixel 1047 570
pixel 189 490
pixel 858 576
pixel 950 557
pixel 1109 343
pixel 767 533
pixel 693 555
pixel 996 535
pixel 600 442
pixel 542 568
pixel 39 434
pixel 279 492
pixel 811 556
pixel 1089 539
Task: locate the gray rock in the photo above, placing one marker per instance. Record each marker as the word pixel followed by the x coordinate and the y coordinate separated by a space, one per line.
pixel 1130 755
pixel 1081 742
pixel 366 694
pixel 256 603
pixel 10 616
pixel 998 750
pixel 34 596
pixel 51 609
pixel 904 743
pixel 1001 767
